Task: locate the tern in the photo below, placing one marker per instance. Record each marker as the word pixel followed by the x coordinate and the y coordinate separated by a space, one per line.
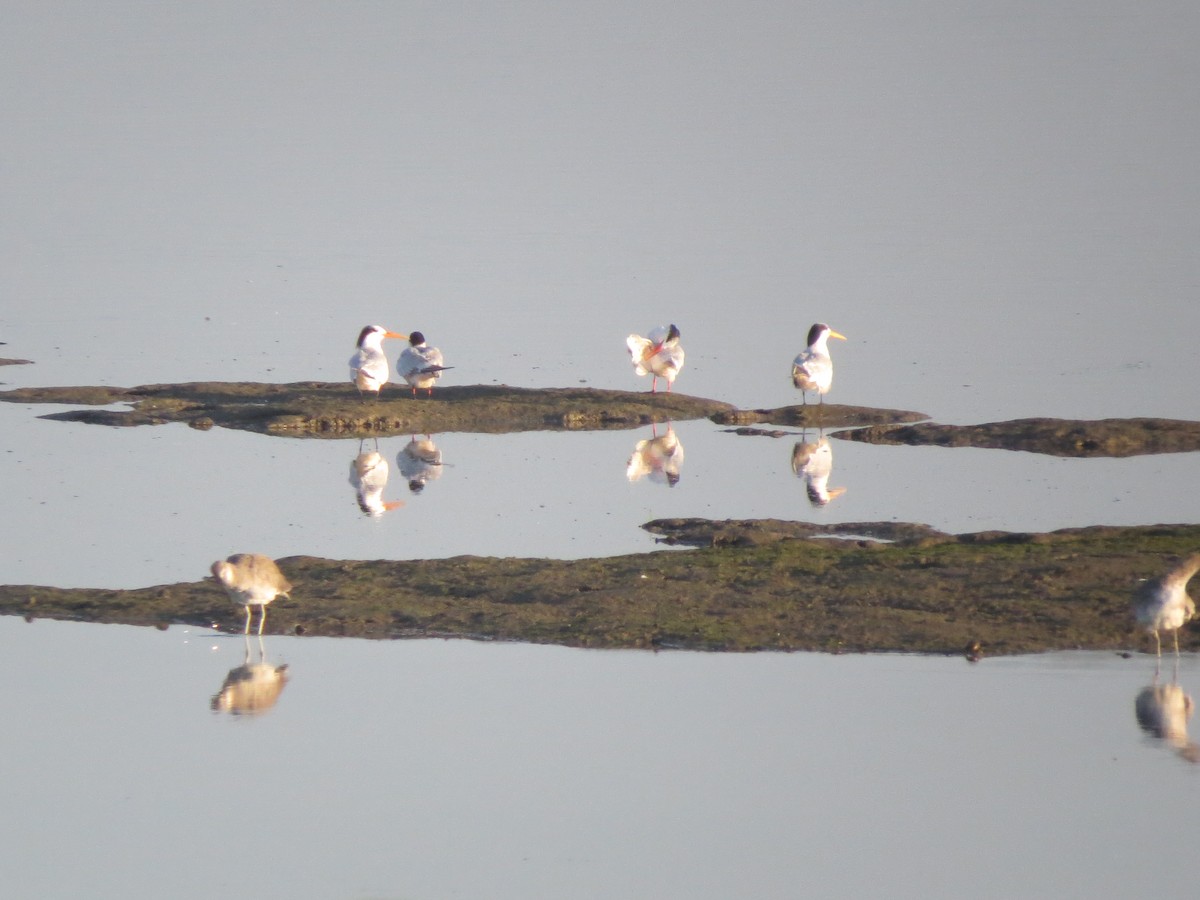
pixel 368 365
pixel 659 354
pixel 812 369
pixel 251 579
pixel 1163 604
pixel 421 365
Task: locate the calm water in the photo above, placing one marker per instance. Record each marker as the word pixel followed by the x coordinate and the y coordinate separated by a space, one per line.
pixel 998 206
pixel 455 769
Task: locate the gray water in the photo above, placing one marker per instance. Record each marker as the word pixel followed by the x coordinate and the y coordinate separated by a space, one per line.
pixel 996 204
pixel 458 769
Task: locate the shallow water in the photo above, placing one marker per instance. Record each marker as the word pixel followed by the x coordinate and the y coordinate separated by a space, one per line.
pixel 133 507
pixel 451 768
pixel 997 207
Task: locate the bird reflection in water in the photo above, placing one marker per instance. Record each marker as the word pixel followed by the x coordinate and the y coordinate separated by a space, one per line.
pixel 814 463
pixel 369 476
pixel 420 462
pixel 251 688
pixel 659 458
pixel 1162 712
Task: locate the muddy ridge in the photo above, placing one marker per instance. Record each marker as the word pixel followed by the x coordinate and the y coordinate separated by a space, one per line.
pixel 1056 437
pixel 751 585
pixel 319 409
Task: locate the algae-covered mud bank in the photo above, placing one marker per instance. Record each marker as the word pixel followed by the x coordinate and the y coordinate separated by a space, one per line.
pixel 1056 437
pixel 756 585
pixel 317 409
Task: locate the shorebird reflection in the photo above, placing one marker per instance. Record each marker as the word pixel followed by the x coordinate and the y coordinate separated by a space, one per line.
pixel 369 476
pixel 251 688
pixel 1162 712
pixel 420 462
pixel 814 463
pixel 659 458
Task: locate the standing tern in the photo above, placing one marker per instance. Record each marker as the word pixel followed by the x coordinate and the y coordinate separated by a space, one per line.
pixel 658 354
pixel 368 366
pixel 421 365
pixel 812 369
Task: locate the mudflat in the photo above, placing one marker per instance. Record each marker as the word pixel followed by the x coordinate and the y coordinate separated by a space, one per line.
pixel 744 585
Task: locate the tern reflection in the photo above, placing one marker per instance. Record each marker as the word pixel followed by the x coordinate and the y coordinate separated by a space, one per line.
pixel 1162 712
pixel 251 688
pixel 420 462
pixel 814 463
pixel 369 476
pixel 658 458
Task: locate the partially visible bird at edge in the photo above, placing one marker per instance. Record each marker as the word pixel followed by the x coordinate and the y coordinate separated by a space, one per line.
pixel 1162 604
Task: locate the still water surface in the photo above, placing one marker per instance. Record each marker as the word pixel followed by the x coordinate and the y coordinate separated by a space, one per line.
pixel 458 769
pixel 998 206
pixel 133 507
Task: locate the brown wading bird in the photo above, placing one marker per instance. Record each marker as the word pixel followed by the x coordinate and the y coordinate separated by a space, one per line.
pixel 1163 604
pixel 812 369
pixel 368 366
pixel 421 365
pixel 251 579
pixel 659 354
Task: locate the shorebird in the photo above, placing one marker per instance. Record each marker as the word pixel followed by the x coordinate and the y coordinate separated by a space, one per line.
pixel 1163 604
pixel 812 369
pixel 659 457
pixel 421 365
pixel 814 463
pixel 251 579
pixel 368 366
pixel 369 475
pixel 659 354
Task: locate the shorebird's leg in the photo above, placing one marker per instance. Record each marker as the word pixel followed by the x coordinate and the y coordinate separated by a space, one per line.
pixel 246 630
pixel 1157 644
pixel 262 619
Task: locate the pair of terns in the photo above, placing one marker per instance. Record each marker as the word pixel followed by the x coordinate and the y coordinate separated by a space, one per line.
pixel 660 355
pixel 419 364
